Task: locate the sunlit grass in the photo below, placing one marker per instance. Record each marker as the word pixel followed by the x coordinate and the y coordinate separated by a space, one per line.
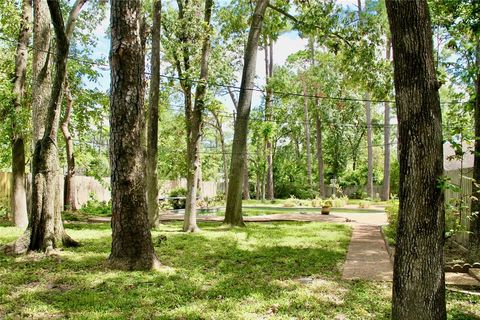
pixel 264 271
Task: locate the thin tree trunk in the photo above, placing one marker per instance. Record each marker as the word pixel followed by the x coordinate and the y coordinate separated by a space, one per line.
pixel 474 236
pixel 246 183
pixel 233 212
pixel 152 126
pixel 318 127
pixel 19 197
pixel 307 134
pixel 218 126
pixel 132 247
pixel 320 165
pixel 195 132
pixel 419 280
pixel 386 141
pixel 70 187
pixel 269 116
pixel 368 112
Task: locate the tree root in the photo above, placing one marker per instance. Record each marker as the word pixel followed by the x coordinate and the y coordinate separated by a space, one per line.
pixel 68 241
pixel 125 264
pixel 19 246
pixel 192 229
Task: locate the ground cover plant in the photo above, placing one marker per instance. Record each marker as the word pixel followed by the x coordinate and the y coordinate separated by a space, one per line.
pixel 265 271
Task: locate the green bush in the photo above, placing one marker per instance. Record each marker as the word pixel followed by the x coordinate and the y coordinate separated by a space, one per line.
pixel 291 202
pixel 364 204
pixel 392 217
pixel 339 202
pixel 178 203
pixel 93 207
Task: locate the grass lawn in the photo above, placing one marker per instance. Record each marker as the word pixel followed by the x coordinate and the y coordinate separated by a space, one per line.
pixel 251 273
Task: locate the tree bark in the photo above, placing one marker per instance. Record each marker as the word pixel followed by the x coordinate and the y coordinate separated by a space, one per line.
pixel 132 247
pixel 40 68
pixel 474 236
pixel 47 230
pixel 152 127
pixel 320 164
pixel 19 197
pixel 419 281
pixel 386 142
pixel 194 126
pixel 246 184
pixel 70 202
pixel 269 116
pixel 233 212
pixel 368 113
pixel 307 134
pixel 218 126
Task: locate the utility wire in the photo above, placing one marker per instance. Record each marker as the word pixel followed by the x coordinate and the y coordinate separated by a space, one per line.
pixel 106 67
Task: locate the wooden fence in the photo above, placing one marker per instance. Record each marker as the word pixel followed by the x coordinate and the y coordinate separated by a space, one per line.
pixel 91 188
pixel 463 179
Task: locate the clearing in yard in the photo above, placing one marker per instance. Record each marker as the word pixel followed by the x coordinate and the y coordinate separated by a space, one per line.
pixel 280 270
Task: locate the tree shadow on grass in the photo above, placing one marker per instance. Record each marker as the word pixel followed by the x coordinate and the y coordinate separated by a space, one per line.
pixel 207 272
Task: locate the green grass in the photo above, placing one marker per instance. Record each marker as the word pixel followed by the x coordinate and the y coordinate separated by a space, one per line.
pixel 220 273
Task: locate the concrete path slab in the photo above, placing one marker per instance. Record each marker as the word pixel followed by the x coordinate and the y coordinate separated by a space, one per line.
pixel 367 256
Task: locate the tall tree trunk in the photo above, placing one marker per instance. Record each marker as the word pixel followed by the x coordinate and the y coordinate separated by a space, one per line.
pixel 70 187
pixel 386 141
pixel 152 127
pixel 195 132
pixel 132 247
pixel 41 67
pixel 419 280
pixel 307 134
pixel 45 229
pixel 218 126
pixel 318 129
pixel 474 236
pixel 320 165
pixel 269 116
pixel 233 212
pixel 246 185
pixel 46 224
pixel 368 112
pixel 19 197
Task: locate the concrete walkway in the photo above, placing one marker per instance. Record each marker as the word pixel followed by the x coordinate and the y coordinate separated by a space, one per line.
pixel 368 259
pixel 367 256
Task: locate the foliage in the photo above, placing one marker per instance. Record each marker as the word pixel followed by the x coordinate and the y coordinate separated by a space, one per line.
pixel 178 193
pixel 392 217
pixel 93 207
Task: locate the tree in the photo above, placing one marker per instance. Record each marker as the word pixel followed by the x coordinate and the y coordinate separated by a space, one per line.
pixel 19 198
pixel 45 230
pixel 386 141
pixel 233 211
pixel 419 280
pixel 132 247
pixel 194 128
pixel 70 202
pixel 153 105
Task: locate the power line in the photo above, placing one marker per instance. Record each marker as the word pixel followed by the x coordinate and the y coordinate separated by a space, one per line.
pixel 106 67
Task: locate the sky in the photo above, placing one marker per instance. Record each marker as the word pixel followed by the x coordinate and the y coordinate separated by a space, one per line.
pixel 287 44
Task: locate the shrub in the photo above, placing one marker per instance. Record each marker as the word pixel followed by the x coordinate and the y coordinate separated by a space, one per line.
pixel 178 203
pixel 339 202
pixel 317 202
pixel 290 202
pixel 364 204
pixel 392 217
pixel 93 207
